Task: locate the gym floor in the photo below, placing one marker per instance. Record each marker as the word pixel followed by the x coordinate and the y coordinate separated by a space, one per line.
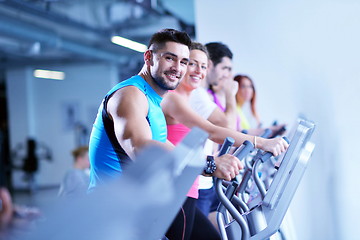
pixel 40 199
pixel 30 208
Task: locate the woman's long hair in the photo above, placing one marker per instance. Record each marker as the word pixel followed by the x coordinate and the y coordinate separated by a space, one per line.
pixel 239 78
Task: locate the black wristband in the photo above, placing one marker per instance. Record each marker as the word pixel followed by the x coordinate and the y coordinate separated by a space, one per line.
pixel 210 166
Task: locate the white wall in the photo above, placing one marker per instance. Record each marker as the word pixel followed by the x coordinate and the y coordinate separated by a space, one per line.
pixel 304 58
pixel 36 109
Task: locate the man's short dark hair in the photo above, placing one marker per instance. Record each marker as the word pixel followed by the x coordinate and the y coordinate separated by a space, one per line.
pixel 217 51
pixel 159 39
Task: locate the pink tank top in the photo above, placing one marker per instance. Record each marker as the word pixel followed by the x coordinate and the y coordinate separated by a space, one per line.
pixel 218 103
pixel 176 132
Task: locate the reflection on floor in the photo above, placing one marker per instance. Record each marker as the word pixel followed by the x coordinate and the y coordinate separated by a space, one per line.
pixel 29 209
pixel 41 198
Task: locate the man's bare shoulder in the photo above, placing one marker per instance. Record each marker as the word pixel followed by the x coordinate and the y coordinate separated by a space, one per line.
pixel 128 93
pixel 128 99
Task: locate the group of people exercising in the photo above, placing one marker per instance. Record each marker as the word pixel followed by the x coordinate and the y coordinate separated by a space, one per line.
pixel 159 106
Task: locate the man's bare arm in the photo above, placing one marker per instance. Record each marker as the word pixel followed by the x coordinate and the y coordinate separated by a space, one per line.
pixel 128 108
pixel 230 89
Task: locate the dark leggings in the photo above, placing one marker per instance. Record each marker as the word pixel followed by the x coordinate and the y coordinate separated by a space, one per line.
pixel 191 223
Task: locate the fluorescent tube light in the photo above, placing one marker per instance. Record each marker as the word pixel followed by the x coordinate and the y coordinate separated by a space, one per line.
pixel 56 75
pixel 129 43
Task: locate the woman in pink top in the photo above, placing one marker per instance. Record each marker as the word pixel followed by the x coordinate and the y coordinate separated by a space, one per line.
pixel 180 118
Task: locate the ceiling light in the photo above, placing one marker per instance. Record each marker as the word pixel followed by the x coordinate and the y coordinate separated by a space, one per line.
pixel 56 75
pixel 129 43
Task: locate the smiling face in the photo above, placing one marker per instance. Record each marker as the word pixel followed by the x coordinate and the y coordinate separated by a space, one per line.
pixel 196 70
pixel 169 64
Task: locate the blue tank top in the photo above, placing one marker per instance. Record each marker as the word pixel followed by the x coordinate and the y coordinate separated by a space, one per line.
pixel 107 157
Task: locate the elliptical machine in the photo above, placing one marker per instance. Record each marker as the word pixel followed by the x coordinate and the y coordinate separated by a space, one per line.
pixel 257 213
